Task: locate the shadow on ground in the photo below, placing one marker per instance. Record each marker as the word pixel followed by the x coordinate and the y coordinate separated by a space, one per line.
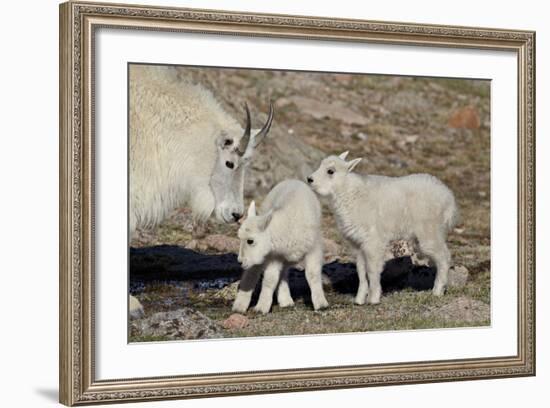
pixel 176 263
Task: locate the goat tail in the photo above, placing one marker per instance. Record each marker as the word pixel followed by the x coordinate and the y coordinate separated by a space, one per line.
pixel 452 215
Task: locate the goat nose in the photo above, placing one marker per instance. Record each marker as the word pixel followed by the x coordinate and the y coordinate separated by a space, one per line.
pixel 236 216
pixel 309 180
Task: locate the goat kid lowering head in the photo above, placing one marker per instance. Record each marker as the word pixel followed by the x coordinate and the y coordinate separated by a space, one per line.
pixel 331 174
pixel 227 180
pixel 255 240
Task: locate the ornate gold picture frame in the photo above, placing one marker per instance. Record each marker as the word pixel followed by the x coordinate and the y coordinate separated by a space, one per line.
pixel 78 24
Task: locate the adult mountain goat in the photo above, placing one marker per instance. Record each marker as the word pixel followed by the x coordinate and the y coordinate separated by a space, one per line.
pixel 371 211
pixel 185 149
pixel 287 231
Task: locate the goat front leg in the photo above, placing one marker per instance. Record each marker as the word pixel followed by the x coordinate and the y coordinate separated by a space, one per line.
pixel 270 280
pixel 374 255
pixel 363 289
pixel 246 288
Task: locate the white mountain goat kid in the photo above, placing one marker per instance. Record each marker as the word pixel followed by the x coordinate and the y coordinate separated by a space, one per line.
pixel 371 211
pixel 287 231
pixel 185 149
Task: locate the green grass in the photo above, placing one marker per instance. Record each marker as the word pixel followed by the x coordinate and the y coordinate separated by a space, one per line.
pixel 400 310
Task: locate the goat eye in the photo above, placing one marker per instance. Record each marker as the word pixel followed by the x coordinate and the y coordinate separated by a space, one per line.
pixel 229 164
pixel 249 241
pixel 228 142
pixel 330 172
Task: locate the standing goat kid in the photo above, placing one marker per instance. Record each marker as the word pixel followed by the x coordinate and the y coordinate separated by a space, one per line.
pixel 372 210
pixel 287 231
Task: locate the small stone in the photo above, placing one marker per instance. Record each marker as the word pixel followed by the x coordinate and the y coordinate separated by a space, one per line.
pixel 238 81
pixel 136 309
pixel 222 243
pixel 465 118
pixel 282 102
pixel 458 276
pixel 228 292
pixel 344 78
pixel 331 250
pixel 235 321
pixel 346 131
pixel 362 136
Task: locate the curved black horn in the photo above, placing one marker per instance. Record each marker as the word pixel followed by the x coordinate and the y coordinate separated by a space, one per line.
pixel 246 135
pixel 258 137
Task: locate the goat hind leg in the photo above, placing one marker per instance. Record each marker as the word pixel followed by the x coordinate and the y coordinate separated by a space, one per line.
pixel 283 291
pixel 437 250
pixel 314 266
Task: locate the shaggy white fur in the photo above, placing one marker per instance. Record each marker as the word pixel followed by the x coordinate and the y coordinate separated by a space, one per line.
pixel 372 210
pixel 287 231
pixel 175 132
pixel 184 150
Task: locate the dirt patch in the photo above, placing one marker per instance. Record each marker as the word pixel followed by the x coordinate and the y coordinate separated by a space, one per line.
pixel 461 308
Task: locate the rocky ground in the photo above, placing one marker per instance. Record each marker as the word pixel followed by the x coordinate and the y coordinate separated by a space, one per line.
pixel 187 276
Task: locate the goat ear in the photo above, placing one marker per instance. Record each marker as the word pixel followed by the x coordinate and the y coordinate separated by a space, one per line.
pixel 249 152
pixel 252 209
pixel 224 141
pixel 352 164
pixel 344 155
pixel 266 220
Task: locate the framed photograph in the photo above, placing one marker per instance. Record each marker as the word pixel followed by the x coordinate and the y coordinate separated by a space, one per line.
pixel 256 203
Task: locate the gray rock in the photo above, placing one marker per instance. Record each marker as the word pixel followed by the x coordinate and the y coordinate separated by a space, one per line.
pixel 462 309
pixel 321 110
pixel 181 324
pixel 331 250
pixel 136 309
pixel 281 156
pixel 458 276
pixel 222 243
